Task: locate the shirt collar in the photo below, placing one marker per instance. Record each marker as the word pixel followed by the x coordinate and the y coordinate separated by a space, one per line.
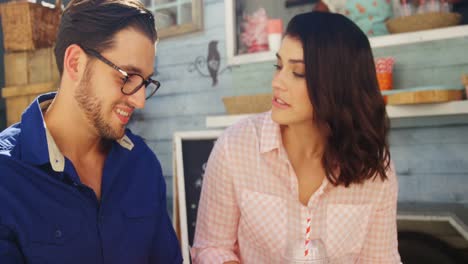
pixel 34 148
pixel 126 142
pixel 38 146
pixel 270 137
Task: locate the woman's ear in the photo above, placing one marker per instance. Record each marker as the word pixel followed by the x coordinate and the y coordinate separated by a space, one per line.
pixel 74 62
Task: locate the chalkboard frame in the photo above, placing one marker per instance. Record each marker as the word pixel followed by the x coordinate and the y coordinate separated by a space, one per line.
pixel 180 203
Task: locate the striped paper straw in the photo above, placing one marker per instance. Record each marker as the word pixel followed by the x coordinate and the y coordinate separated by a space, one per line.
pixel 307 238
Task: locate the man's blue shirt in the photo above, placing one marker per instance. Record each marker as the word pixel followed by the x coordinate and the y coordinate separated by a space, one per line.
pixel 48 216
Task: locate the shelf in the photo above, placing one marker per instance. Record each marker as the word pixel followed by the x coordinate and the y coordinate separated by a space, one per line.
pixel 422 110
pixel 376 42
pixel 419 36
pixel 454 108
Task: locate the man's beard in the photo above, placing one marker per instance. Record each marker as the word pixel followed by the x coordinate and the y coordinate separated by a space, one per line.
pixel 92 107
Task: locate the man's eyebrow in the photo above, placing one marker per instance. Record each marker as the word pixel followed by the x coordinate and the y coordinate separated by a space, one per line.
pixel 133 69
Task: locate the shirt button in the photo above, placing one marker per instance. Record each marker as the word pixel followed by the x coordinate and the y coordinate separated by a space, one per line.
pixel 58 233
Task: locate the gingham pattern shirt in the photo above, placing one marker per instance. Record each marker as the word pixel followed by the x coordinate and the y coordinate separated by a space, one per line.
pixel 242 213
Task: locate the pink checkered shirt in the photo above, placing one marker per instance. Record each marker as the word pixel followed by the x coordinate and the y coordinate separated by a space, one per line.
pixel 242 213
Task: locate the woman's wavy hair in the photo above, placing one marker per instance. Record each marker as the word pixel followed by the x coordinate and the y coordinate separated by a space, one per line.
pixel 343 89
pixel 94 23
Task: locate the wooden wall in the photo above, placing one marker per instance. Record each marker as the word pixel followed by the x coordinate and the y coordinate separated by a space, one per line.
pixel 431 160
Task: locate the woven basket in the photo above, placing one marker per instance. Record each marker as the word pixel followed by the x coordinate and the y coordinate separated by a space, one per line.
pixel 247 104
pixel 29 26
pixel 422 22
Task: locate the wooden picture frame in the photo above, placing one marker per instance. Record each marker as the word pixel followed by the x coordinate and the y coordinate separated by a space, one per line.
pixel 172 19
pixel 191 151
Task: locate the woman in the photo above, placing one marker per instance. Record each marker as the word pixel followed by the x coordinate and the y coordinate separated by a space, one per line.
pixel 323 146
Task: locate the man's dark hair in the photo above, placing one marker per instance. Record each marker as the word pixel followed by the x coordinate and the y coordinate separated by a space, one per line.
pixel 93 24
pixel 345 96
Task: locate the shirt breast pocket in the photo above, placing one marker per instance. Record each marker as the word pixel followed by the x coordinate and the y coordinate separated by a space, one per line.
pixel 139 224
pixel 346 228
pixel 139 213
pixel 53 237
pixel 263 218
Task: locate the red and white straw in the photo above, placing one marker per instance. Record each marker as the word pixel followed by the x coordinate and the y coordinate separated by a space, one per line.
pixel 307 238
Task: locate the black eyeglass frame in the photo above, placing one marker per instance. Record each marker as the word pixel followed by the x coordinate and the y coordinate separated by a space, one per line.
pixel 126 75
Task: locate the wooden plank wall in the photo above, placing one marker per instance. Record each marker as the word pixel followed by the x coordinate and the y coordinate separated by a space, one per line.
pixel 432 161
pixel 185 97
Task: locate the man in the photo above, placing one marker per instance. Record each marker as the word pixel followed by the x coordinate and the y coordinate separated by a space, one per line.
pixel 76 186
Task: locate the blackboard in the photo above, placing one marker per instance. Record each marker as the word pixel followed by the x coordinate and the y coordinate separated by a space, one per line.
pixel 192 150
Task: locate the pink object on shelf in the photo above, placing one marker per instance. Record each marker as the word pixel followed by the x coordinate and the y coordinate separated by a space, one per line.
pixel 275 26
pixel 275 32
pixel 384 64
pixel 255 35
pixel 384 70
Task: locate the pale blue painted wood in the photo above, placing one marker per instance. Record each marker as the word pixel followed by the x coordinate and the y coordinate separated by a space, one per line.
pixel 428 63
pixel 178 80
pixel 184 104
pixel 412 55
pixel 430 121
pixel 160 129
pixel 436 188
pixel 259 74
pixel 427 135
pixel 177 53
pixel 422 88
pixel 432 161
pixel 184 99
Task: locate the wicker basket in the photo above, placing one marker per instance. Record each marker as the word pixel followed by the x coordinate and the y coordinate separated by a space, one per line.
pixel 422 22
pixel 17 98
pixel 29 26
pixel 247 104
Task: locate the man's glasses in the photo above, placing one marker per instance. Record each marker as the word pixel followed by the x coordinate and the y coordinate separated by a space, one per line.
pixel 131 82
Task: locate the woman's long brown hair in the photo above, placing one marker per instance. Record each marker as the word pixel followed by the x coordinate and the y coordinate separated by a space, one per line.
pixel 344 93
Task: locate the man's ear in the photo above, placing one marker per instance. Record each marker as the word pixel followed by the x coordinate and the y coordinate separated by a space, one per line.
pixel 74 62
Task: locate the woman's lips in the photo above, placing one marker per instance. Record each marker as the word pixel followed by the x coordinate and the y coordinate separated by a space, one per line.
pixel 278 103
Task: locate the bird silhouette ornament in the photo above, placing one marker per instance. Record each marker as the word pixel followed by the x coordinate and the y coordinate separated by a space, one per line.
pixel 213 61
pixel 209 66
